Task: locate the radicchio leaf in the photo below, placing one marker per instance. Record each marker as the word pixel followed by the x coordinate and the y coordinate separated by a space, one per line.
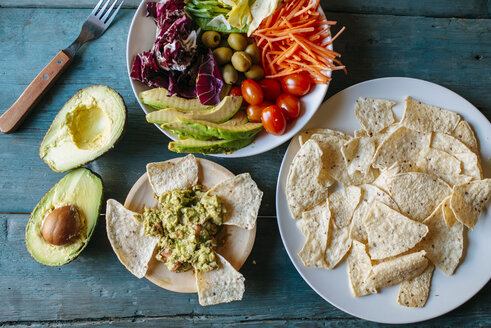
pixel 146 70
pixel 209 82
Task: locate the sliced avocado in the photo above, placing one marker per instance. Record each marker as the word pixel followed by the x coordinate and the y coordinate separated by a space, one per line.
pixel 184 132
pixel 81 189
pixel 87 126
pixel 208 147
pixel 221 131
pixel 221 113
pixel 239 118
pixel 159 98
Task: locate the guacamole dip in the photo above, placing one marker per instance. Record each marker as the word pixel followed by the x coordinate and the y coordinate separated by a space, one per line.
pixel 186 222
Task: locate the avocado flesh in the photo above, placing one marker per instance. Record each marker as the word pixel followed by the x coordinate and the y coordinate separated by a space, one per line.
pixel 183 131
pixel 87 126
pixel 222 112
pixel 159 98
pixel 208 147
pixel 81 188
pixel 228 132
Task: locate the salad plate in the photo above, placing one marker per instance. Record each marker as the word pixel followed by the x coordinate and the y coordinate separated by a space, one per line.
pixel 141 37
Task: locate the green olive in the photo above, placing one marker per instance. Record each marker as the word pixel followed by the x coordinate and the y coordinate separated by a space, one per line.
pixel 253 51
pixel 211 39
pixel 256 72
pixel 223 55
pixel 230 75
pixel 237 41
pixel 241 61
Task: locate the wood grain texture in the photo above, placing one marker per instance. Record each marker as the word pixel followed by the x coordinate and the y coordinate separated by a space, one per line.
pixel 452 52
pixel 87 293
pixel 433 8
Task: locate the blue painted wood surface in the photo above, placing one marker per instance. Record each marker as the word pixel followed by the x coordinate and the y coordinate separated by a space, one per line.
pixel 383 38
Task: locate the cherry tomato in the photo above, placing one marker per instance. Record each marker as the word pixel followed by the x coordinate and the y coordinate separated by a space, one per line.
pixel 271 88
pixel 235 91
pixel 273 120
pixel 297 84
pixel 290 105
pixel 254 111
pixel 252 92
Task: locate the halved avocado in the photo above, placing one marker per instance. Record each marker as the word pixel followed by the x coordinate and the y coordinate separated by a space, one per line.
pixel 81 190
pixel 87 126
pixel 221 113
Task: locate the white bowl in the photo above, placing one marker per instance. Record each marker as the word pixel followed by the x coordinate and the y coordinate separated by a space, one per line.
pixel 141 37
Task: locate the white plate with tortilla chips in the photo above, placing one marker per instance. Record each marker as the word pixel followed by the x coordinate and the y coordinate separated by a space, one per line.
pixel 137 251
pixel 447 291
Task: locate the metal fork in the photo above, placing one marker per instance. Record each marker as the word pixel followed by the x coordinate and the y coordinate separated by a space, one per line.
pixel 98 21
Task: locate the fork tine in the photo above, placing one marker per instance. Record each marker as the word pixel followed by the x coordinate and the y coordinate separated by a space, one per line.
pixel 106 15
pixel 114 15
pixel 96 7
pixel 99 14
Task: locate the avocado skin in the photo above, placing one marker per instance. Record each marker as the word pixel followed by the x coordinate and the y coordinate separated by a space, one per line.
pixel 243 131
pixel 90 226
pixel 208 147
pixel 125 123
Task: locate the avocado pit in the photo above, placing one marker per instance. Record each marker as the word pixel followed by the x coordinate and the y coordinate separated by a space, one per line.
pixel 62 225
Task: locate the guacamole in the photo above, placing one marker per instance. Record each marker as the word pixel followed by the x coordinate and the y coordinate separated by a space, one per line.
pixel 186 223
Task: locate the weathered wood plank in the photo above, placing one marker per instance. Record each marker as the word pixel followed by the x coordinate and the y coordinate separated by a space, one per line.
pixel 433 8
pixel 95 289
pixel 453 52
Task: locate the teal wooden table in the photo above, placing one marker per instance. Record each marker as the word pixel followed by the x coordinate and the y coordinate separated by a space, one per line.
pixel 444 41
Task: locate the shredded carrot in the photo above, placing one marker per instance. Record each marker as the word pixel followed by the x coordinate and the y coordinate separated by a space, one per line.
pixel 293 40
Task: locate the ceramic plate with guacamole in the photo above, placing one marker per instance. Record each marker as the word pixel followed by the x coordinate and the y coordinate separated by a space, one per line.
pixel 187 225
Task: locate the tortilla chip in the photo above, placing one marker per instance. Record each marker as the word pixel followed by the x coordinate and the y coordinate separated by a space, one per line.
pixel 448 215
pixel 470 161
pixel 314 225
pixel 466 135
pixel 443 244
pixel 374 114
pixel 359 266
pixel 241 198
pixel 469 199
pixel 415 292
pixel 390 233
pixel 342 203
pixel 306 184
pixel 305 135
pixel 359 178
pixel 427 118
pixel 385 174
pixel 179 174
pixel 133 248
pixel 222 285
pixel 369 195
pixel 361 134
pixel 332 158
pixel 395 271
pixel 402 146
pixel 339 244
pixel 380 136
pixel 441 164
pixel 417 194
pixel 358 154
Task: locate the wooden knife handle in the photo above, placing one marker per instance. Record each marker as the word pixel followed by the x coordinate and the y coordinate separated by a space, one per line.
pixel 13 117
